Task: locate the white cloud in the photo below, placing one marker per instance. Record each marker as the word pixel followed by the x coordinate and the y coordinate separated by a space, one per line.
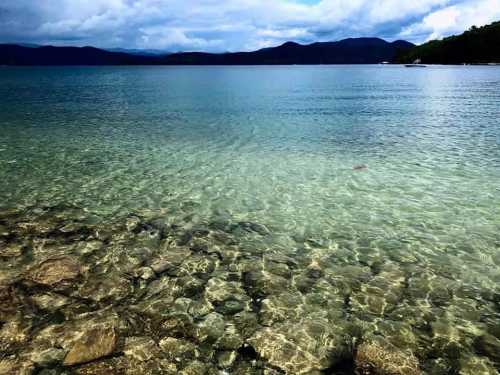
pixel 454 19
pixel 219 25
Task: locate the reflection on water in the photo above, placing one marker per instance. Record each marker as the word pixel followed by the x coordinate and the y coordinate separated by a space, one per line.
pixel 213 220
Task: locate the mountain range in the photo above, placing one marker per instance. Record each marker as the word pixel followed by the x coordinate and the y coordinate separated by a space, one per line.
pixel 477 45
pixel 347 51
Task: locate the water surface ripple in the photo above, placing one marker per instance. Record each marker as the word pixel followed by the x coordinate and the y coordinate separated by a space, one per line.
pixel 250 220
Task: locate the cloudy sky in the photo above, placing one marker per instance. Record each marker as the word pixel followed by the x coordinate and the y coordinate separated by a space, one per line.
pixel 230 25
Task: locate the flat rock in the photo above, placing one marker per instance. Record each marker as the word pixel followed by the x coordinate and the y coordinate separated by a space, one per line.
pixel 95 343
pixel 303 346
pixel 283 353
pixel 141 349
pixel 179 350
pixel 55 271
pixel 373 358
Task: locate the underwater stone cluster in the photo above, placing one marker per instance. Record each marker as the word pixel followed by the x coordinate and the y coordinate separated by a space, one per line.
pixel 145 294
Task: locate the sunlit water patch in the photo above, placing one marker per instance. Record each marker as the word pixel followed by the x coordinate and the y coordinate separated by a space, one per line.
pixel 250 220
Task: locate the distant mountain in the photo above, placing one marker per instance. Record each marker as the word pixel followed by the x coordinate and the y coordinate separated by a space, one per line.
pixel 140 52
pixel 11 54
pixel 477 45
pixel 347 51
pixel 31 45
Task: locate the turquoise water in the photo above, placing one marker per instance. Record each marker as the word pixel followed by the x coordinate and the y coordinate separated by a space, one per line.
pixel 384 180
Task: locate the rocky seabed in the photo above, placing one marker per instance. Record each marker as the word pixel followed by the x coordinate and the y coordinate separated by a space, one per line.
pixel 144 294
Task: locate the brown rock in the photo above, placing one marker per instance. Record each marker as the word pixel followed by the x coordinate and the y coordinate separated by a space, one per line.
pixel 93 344
pixel 9 302
pixel 300 348
pixel 11 250
pixel 55 271
pixel 373 358
pixel 141 349
pixel 11 367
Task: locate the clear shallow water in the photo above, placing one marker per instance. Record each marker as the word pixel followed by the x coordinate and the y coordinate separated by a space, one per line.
pixel 225 148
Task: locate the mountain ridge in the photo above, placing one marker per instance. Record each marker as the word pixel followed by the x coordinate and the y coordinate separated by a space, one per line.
pixel 346 51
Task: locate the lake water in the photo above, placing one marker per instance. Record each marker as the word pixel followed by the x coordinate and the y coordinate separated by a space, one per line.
pixel 250 220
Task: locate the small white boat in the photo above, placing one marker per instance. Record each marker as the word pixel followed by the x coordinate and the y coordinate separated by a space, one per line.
pixel 416 64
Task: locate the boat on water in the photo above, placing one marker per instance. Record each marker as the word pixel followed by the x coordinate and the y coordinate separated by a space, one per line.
pixel 416 64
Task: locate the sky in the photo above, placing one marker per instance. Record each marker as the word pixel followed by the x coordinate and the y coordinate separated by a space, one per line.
pixel 233 25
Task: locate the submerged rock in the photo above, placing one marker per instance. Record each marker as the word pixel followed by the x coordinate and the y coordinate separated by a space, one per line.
pixel 56 271
pixel 50 301
pixel 105 288
pixel 226 359
pixel 230 307
pixel 252 227
pixel 10 366
pixel 278 308
pixel 283 353
pixel 11 250
pixel 246 323
pixel 197 368
pixel 261 283
pixel 9 301
pixel 488 345
pixel 231 339
pixel 141 349
pixel 14 334
pixel 211 328
pixel 302 347
pixel 360 167
pixel 170 260
pixel 472 365
pixel 373 358
pixel 95 343
pixel 179 350
pixel 178 324
pixel 48 357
